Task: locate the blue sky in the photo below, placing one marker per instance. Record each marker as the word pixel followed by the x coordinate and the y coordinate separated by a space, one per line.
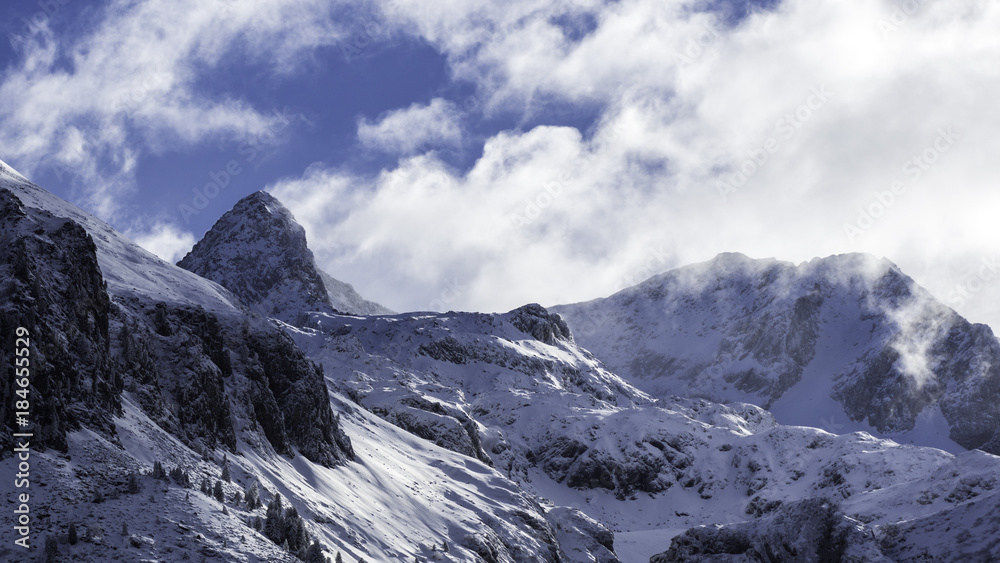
pixel 477 155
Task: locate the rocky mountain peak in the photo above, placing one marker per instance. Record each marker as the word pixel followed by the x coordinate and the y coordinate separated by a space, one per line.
pixel 544 326
pixel 259 252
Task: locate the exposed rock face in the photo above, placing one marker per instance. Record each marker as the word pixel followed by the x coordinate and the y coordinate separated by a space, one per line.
pixel 221 371
pixel 258 251
pixel 52 285
pixel 544 326
pixel 812 530
pixel 291 400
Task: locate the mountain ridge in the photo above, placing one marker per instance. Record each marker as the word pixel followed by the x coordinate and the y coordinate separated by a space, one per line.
pixel 852 327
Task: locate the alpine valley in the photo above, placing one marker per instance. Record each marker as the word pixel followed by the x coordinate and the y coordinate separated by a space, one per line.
pixel 244 405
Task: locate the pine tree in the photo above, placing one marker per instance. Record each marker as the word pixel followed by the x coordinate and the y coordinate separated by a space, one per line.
pixel 124 528
pixel 253 497
pixel 134 487
pixel 158 472
pixel 295 530
pixel 205 487
pixel 226 475
pixel 72 534
pixel 444 546
pixel 51 548
pixel 217 492
pixel 237 498
pixel 315 554
pixel 339 559
pixel 274 525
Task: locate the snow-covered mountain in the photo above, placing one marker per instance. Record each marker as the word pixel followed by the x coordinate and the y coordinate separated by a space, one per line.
pixel 515 391
pixel 422 436
pixel 847 343
pixel 136 363
pixel 258 251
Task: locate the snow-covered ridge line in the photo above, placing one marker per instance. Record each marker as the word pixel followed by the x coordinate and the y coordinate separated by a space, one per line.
pixel 128 268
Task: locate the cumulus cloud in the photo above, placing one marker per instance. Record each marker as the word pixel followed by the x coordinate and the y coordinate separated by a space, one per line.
pixel 811 129
pixel 405 131
pixel 164 240
pixel 89 105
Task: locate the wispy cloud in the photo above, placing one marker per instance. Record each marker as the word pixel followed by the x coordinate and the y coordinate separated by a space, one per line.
pixel 418 127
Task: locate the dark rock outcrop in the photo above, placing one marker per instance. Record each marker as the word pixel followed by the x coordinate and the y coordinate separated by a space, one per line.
pixel 811 530
pixel 52 286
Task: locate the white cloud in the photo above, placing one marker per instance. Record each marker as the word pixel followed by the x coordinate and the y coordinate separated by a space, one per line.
pixel 685 104
pixel 165 240
pixel 89 105
pixel 418 127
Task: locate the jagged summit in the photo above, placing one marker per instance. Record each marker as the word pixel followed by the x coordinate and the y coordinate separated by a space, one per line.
pixel 258 251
